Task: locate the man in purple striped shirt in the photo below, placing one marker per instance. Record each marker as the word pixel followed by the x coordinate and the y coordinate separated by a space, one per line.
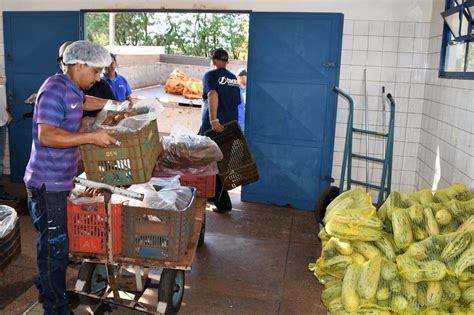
pixel 53 163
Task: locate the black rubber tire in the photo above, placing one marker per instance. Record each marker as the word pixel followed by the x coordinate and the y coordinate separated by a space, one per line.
pixel 95 281
pixel 324 199
pixel 203 232
pixel 171 289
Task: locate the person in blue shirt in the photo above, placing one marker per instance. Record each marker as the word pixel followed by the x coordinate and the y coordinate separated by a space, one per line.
pixel 118 83
pixel 221 98
pixel 242 76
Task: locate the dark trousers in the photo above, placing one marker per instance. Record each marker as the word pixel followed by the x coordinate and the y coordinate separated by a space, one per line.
pixel 221 198
pixel 48 211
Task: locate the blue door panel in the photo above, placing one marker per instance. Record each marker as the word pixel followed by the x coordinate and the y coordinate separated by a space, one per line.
pixel 296 57
pixel 23 84
pixel 294 61
pixel 299 179
pixel 32 40
pixel 286 126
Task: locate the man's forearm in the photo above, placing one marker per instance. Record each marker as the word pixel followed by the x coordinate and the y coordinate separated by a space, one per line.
pixel 94 103
pixel 54 137
pixel 213 104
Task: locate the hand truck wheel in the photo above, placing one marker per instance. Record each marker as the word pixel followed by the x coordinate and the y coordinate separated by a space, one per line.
pixel 171 289
pixel 92 279
pixel 324 199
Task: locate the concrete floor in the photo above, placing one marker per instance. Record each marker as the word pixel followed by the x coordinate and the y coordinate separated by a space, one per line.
pixel 254 260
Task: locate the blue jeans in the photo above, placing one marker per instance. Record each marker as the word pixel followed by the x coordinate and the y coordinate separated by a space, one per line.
pixel 3 138
pixel 48 211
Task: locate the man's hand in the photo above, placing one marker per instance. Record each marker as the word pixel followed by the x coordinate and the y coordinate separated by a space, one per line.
pixel 216 126
pixel 9 118
pixel 103 138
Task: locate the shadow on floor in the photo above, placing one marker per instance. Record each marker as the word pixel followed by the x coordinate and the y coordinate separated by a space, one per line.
pixel 254 260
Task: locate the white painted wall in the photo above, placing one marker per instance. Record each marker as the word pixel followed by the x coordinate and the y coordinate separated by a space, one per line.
pixel 386 10
pixel 391 39
pixel 447 124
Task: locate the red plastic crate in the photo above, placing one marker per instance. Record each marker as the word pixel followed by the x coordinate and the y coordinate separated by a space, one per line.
pixel 86 228
pixel 205 185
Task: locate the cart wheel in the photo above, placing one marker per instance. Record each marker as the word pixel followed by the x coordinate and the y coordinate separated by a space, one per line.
pixel 203 232
pixel 324 199
pixel 94 280
pixel 171 289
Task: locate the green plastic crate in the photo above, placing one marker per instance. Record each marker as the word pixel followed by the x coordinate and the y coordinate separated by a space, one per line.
pixel 130 163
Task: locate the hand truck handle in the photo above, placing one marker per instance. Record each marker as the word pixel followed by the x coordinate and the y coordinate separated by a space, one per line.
pixel 346 96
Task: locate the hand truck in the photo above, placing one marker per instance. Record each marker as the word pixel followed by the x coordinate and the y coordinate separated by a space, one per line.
pixel 104 282
pixel 384 188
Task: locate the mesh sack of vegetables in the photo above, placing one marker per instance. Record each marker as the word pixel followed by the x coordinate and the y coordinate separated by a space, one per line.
pixel 174 84
pixel 413 217
pixel 351 216
pixel 333 262
pixel 372 286
pixel 438 256
pixel 376 286
pixel 192 88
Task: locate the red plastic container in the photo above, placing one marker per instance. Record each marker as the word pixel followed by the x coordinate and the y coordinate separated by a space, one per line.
pixel 86 228
pixel 205 185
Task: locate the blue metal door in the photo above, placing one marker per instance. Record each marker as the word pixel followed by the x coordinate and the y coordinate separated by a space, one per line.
pixel 32 40
pixel 294 61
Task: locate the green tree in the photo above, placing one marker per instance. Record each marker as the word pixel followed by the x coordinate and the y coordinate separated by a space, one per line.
pixel 192 34
pixel 131 29
pixel 98 28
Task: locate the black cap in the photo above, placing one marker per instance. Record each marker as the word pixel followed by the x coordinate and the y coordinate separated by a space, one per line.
pixel 220 54
pixel 242 72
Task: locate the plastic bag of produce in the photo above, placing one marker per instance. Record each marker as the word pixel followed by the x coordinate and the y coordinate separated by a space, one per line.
pixel 8 218
pixel 175 199
pixel 209 169
pixel 182 151
pixel 131 119
pixel 85 195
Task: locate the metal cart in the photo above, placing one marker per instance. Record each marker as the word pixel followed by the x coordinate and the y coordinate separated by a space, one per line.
pixel 384 188
pixel 108 281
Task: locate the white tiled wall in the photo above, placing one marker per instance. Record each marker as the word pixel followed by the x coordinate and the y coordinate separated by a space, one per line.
pixel 447 130
pixel 395 55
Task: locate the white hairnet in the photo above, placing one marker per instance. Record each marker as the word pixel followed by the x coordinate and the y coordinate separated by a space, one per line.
pixel 85 52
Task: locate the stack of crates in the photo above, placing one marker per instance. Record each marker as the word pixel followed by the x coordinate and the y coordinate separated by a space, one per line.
pixel 151 234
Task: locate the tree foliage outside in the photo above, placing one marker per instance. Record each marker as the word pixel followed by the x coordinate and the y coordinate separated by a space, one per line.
pixel 193 34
